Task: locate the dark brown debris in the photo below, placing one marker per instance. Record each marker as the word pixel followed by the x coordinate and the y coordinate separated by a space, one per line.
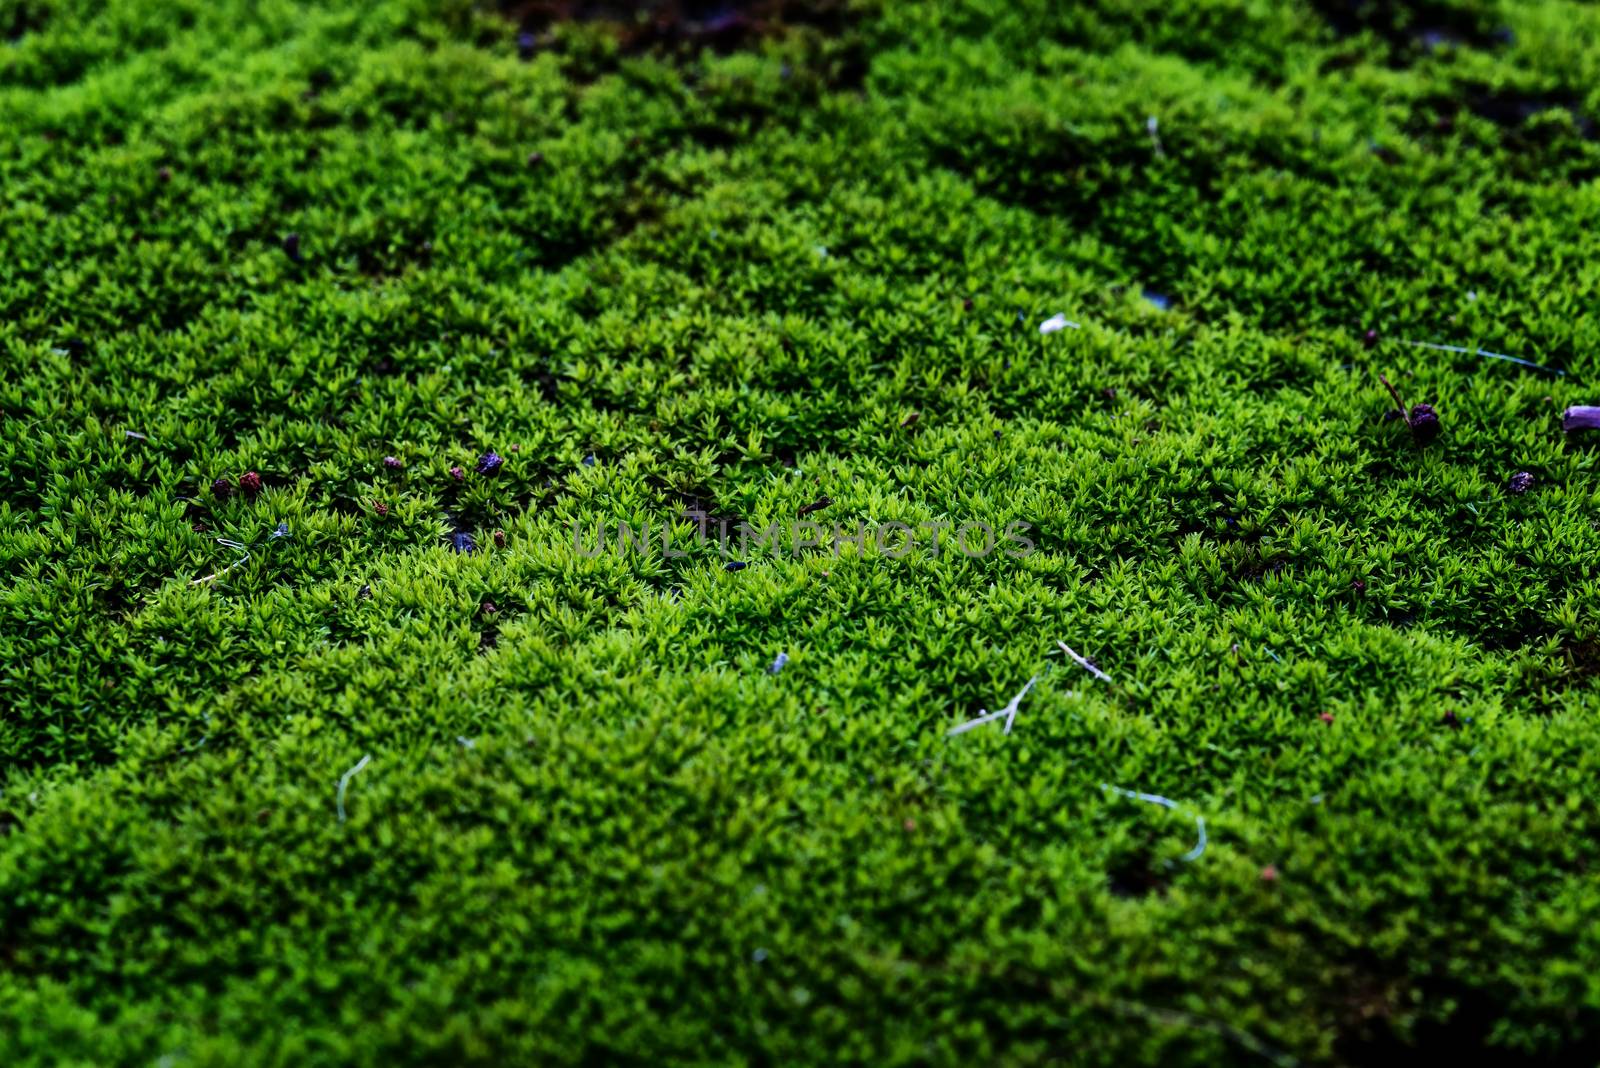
pixel 1422 419
pixel 815 506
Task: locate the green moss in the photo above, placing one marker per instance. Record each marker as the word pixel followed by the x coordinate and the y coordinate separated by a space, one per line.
pixel 595 826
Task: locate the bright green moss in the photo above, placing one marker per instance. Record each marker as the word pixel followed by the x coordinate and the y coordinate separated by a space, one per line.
pixel 595 826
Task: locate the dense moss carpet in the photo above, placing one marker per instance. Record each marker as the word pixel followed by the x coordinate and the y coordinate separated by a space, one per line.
pixel 323 325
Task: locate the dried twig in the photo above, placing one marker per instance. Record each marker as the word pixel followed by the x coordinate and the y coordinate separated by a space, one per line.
pixel 1167 802
pixel 1519 361
pixel 1153 125
pixel 1008 713
pixel 344 781
pixel 1179 1019
pixel 1086 665
pixel 229 544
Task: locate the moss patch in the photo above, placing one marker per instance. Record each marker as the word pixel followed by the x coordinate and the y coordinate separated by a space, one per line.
pixel 711 265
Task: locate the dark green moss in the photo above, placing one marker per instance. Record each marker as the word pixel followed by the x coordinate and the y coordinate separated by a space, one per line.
pixel 664 270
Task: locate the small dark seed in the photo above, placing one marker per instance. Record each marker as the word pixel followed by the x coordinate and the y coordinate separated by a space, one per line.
pixel 291 247
pixel 499 539
pixel 250 482
pixel 457 473
pixel 1370 338
pixel 735 565
pixel 1520 483
pixel 489 463
pixel 392 463
pixel 222 489
pixel 380 508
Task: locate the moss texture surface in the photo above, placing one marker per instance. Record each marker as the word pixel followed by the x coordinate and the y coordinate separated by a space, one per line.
pixel 744 258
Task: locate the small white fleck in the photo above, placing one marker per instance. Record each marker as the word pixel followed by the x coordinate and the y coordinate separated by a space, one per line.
pixel 1057 322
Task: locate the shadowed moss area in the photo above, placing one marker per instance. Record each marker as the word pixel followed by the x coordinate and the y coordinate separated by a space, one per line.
pixel 278 277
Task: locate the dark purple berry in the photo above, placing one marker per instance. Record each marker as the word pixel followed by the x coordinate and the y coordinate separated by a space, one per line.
pixel 250 482
pixel 462 542
pixel 291 248
pixel 379 508
pixel 1370 338
pixel 489 463
pixel 499 539
pixel 735 565
pixel 458 474
pixel 392 463
pixel 222 489
pixel 1451 720
pixel 1424 423
pixel 1520 483
pixel 535 158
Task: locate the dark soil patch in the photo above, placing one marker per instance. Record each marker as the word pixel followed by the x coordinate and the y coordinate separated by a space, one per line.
pixel 674 25
pixel 1412 27
pixel 1136 875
